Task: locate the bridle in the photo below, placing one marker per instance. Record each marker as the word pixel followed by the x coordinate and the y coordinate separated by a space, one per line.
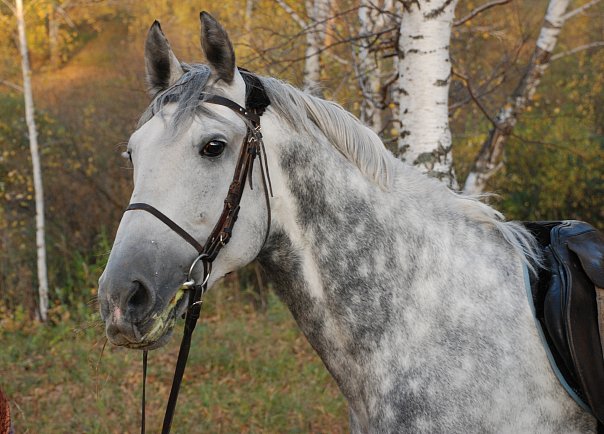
pixel 256 103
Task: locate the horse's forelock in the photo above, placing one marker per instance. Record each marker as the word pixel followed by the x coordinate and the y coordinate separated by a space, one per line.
pixel 185 92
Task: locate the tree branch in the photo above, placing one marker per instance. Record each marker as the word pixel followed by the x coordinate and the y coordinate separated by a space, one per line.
pixel 337 58
pixel 490 154
pixel 12 85
pixel 479 10
pixel 556 146
pixel 287 8
pixel 10 6
pixel 579 9
pixel 577 49
pixel 474 98
pixel 65 15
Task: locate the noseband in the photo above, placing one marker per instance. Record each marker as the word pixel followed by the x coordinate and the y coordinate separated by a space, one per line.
pixel 252 147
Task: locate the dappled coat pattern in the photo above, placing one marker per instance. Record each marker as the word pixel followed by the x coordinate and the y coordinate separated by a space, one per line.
pixel 413 296
pixel 415 304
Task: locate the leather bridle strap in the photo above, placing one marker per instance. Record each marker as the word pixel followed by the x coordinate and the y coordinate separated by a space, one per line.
pixel 193 313
pixel 168 222
pixel 251 147
pixel 144 392
pixel 220 100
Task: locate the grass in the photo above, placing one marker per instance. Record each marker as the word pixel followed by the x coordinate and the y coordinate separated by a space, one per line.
pixel 248 372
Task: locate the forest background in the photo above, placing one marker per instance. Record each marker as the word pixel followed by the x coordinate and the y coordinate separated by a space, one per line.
pixel 88 81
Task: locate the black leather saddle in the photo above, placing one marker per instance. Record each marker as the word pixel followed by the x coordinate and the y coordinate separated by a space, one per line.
pixel 564 296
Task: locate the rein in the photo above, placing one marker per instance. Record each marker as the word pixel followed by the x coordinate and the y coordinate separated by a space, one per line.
pixel 252 147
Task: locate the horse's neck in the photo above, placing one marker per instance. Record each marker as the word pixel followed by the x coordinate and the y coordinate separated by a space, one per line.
pixel 336 253
pixel 352 262
pixel 402 293
pixel 337 237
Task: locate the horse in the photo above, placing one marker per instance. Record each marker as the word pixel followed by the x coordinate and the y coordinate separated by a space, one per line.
pixel 412 295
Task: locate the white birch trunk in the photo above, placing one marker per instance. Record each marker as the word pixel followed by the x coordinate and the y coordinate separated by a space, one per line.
pixel 53 35
pixel 35 159
pixel 315 30
pixel 424 77
pixel 372 21
pixel 318 12
pixel 395 89
pixel 249 7
pixel 489 159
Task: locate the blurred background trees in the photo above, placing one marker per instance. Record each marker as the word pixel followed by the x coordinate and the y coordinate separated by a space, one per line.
pixel 89 91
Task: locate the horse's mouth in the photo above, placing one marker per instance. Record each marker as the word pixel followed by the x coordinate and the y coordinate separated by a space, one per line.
pixel 150 345
pixel 158 329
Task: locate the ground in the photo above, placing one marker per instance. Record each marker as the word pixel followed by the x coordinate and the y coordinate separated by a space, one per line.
pixel 247 372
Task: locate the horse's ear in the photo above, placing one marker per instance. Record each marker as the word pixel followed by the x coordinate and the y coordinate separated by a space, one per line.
pixel 217 47
pixel 161 65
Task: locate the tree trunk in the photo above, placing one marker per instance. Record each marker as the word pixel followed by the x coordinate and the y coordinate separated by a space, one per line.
pixel 395 88
pixel 424 77
pixel 53 35
pixel 315 30
pixel 318 12
pixel 373 20
pixel 489 159
pixel 249 7
pixel 35 159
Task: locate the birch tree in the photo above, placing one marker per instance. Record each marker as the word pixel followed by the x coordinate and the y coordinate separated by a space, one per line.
pixel 315 30
pixel 249 8
pixel 35 160
pixel 489 159
pixel 424 75
pixel 375 18
pixel 53 35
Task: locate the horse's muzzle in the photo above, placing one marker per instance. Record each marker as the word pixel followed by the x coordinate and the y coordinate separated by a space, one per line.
pixel 134 316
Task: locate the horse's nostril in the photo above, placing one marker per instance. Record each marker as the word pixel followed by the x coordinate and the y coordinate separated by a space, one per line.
pixel 139 299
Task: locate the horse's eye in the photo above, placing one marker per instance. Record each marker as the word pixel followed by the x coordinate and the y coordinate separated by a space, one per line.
pixel 213 148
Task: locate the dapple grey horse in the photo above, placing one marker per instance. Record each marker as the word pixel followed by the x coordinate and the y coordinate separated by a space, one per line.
pixel 413 296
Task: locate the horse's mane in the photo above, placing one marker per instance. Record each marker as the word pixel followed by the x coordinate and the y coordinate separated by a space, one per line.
pixel 361 146
pixel 514 233
pixel 345 132
pixel 364 148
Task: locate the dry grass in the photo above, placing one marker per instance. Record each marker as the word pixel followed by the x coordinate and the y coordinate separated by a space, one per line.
pixel 247 372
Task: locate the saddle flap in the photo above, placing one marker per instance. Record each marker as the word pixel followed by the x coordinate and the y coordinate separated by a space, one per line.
pixel 589 247
pixel 578 304
pixel 569 305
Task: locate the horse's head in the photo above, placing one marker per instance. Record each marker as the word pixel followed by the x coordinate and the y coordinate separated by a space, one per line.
pixel 184 154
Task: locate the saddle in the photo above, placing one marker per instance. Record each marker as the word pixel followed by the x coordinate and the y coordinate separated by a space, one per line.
pixel 568 295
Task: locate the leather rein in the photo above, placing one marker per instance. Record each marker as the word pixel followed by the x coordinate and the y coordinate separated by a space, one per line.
pixel 252 147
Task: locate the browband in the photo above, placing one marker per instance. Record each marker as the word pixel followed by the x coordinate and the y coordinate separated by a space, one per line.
pixel 220 100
